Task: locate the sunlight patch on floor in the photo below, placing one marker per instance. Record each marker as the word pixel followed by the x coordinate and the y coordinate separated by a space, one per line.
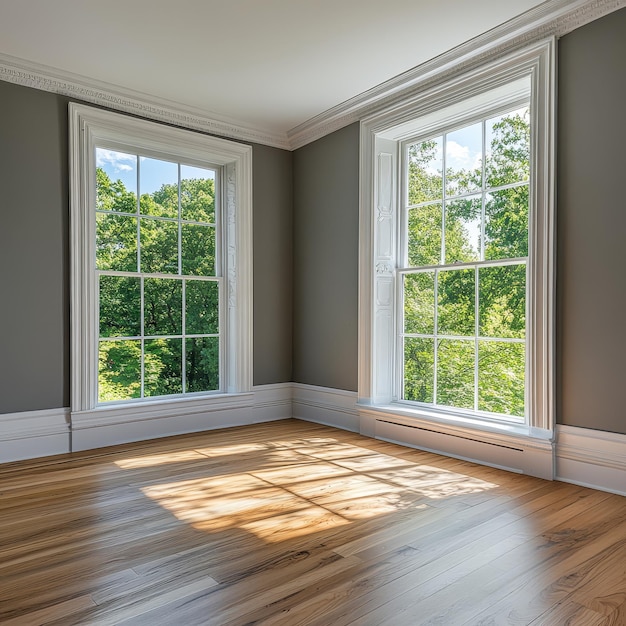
pixel 150 460
pixel 321 484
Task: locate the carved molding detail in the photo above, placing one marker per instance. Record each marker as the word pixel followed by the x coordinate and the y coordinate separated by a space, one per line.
pixel 384 268
pixel 87 90
pixel 384 213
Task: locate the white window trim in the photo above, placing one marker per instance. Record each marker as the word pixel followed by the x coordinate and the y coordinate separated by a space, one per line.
pixel 89 127
pixel 378 247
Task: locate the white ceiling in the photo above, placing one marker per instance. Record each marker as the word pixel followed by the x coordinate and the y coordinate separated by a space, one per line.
pixel 264 64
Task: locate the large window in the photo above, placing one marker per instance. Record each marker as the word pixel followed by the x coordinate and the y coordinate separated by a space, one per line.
pixel 463 265
pixel 159 276
pixel 161 263
pixel 456 314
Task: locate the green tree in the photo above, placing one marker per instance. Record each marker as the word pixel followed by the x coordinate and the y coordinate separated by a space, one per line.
pixel 450 234
pixel 118 248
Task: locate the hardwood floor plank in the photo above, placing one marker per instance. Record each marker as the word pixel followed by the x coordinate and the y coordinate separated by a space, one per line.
pixel 568 613
pixel 510 582
pixel 617 617
pixel 55 612
pixel 333 592
pixel 292 523
pixel 130 606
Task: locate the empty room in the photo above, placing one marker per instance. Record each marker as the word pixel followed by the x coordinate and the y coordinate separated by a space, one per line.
pixel 312 312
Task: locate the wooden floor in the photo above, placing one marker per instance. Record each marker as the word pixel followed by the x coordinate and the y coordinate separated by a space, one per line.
pixel 293 523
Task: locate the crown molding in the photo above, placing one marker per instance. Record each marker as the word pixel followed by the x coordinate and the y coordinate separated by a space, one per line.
pixel 553 18
pixel 88 90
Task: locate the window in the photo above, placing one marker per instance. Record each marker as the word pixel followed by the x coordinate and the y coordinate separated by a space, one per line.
pixel 158 269
pixel 462 270
pixel 456 250
pixel 161 268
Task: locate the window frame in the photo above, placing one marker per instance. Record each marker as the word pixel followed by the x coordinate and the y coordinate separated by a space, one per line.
pixel 465 96
pixel 91 128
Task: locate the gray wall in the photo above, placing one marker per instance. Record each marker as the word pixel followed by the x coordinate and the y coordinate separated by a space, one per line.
pixel 325 260
pixel 34 257
pixel 273 210
pixel 592 225
pixel 34 234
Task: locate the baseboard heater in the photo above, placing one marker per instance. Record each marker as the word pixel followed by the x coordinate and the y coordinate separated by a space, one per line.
pixel 436 432
pixel 455 445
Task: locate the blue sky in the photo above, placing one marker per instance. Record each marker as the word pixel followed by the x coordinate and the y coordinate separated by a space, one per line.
pixel 153 172
pixel 464 146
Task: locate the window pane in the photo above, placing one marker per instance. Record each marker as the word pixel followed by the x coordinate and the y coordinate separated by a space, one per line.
pixel 508 148
pixel 424 236
pixel 197 194
pixel 163 367
pixel 202 312
pixel 425 171
pixel 116 243
pixel 198 250
pixel 203 364
pixel 506 223
pixel 419 303
pixel 501 368
pixel 455 373
pixel 158 182
pixel 159 246
pixel 162 306
pixel 119 371
pixel 419 369
pixel 462 230
pixel 120 306
pixel 502 301
pixel 456 302
pixel 116 181
pixel 464 160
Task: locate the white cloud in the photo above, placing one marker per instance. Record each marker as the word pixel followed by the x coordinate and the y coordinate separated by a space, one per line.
pixel 461 157
pixel 458 156
pixel 116 161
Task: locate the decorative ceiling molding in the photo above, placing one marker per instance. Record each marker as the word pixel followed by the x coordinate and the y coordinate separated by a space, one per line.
pixel 45 78
pixel 550 19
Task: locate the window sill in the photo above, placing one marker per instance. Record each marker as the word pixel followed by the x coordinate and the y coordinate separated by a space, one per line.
pixel 458 425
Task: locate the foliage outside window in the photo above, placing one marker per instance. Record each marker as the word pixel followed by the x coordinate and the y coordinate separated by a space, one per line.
pixel 159 291
pixel 464 277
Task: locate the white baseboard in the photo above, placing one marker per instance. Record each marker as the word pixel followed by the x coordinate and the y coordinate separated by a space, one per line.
pixel 322 405
pixel 591 458
pixel 273 402
pixel 585 457
pixel 32 434
pixel 115 425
